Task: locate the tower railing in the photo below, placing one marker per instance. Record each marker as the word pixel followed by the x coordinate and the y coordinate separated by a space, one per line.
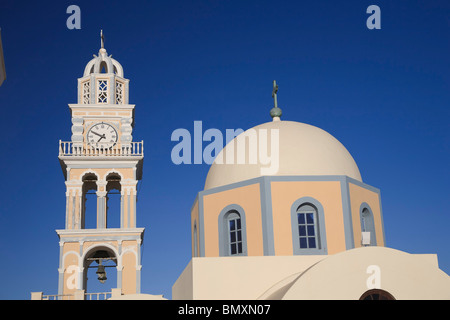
pixel 97 296
pixel 79 294
pixel 81 149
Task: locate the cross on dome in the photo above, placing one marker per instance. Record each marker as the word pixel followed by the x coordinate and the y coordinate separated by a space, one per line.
pixel 275 112
pixel 274 94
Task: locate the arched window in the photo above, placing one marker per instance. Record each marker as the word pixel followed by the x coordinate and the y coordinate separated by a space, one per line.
pixel 308 227
pixel 232 231
pixel 376 294
pixel 367 223
pixel 103 67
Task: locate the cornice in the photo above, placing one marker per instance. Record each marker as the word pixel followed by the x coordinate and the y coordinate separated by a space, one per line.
pixel 102 106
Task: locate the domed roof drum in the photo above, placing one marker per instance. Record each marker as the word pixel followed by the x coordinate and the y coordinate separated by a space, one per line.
pixel 101 61
pixel 303 150
pixel 103 81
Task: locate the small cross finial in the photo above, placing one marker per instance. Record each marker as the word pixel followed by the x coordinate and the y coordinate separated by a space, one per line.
pixel 274 94
pixel 275 113
pixel 102 39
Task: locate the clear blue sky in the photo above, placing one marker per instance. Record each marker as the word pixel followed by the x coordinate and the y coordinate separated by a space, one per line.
pixel 383 93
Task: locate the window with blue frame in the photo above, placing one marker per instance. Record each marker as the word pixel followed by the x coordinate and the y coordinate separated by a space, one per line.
pixel 307 227
pixel 234 233
pixel 367 223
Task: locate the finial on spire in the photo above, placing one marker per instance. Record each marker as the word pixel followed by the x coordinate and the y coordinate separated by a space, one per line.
pixel 275 112
pixel 102 39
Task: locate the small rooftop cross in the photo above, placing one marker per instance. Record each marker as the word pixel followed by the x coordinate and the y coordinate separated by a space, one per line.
pixel 275 112
pixel 274 94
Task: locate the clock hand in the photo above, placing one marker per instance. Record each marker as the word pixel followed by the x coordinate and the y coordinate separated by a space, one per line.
pixel 96 133
pixel 101 137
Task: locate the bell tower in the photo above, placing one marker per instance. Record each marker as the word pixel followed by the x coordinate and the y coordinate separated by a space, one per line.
pixel 101 159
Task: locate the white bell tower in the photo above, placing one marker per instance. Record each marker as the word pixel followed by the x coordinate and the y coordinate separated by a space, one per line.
pixel 101 157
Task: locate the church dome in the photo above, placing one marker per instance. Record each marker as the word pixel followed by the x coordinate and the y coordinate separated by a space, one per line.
pixel 304 150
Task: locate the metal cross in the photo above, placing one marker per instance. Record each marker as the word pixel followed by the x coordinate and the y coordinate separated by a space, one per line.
pixel 274 94
pixel 102 39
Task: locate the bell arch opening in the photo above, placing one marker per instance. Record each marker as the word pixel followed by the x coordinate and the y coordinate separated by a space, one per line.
pixel 100 270
pixel 103 67
pixel 113 200
pixel 89 201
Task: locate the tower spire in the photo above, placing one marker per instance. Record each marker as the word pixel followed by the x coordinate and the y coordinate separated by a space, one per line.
pixel 102 39
pixel 275 112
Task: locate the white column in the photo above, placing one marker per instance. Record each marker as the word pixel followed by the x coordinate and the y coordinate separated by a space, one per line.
pixel 67 209
pixel 133 207
pixel 61 269
pixel 138 266
pixel 122 211
pixel 101 204
pixel 101 209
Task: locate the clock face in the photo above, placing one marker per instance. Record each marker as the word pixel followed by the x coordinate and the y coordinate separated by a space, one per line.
pixel 102 136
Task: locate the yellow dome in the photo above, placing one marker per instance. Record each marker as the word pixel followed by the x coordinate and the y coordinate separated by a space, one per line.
pixel 304 150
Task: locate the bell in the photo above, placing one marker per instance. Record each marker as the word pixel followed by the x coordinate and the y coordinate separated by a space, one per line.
pixel 101 273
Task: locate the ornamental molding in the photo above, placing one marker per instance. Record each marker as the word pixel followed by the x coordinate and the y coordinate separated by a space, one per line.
pixel 102 194
pixel 113 170
pixel 89 172
pixel 129 183
pixel 117 107
pixel 74 183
